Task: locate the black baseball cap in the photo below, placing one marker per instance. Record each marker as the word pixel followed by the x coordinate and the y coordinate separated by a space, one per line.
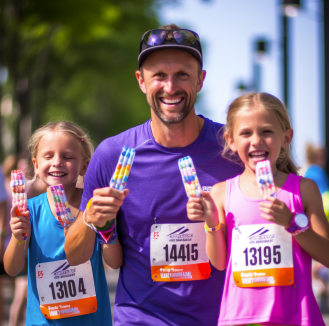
pixel 159 39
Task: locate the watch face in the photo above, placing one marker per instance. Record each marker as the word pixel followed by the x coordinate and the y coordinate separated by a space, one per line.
pixel 301 220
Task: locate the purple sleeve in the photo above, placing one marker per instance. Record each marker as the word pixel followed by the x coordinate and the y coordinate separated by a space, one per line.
pixel 98 173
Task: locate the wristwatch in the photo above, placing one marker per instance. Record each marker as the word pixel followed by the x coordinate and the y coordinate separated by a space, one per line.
pixel 299 223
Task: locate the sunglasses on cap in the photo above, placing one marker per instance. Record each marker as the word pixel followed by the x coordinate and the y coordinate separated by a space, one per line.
pixel 179 38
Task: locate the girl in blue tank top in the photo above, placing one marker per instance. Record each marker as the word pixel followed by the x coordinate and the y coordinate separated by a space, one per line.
pixel 59 294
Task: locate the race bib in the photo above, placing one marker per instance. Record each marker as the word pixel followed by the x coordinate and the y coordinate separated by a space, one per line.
pixel 64 290
pixel 178 252
pixel 262 256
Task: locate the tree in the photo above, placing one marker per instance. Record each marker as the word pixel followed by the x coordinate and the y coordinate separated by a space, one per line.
pixel 75 60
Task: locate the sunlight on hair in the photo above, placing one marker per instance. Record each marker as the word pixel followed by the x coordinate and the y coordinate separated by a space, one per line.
pixel 86 146
pixel 267 102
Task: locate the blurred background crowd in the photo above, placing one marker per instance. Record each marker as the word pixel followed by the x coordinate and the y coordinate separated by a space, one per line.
pixel 75 60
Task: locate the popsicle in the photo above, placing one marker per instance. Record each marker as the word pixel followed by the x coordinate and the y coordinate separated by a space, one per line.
pixel 18 185
pixel 189 177
pixel 106 233
pixel 265 179
pixel 63 211
pixel 120 176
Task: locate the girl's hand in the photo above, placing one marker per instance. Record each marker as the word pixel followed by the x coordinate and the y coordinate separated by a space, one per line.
pixel 194 209
pixel 19 224
pixel 203 209
pixel 276 211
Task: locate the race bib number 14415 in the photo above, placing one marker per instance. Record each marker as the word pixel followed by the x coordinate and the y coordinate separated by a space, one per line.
pixel 178 252
pixel 262 256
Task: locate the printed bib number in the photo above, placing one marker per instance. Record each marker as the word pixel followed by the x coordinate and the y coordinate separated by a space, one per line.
pixel 262 256
pixel 178 252
pixel 64 290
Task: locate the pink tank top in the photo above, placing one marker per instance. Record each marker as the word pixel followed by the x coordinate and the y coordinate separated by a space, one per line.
pixel 295 304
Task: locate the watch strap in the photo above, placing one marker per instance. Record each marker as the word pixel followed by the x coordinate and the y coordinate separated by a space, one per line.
pixel 296 229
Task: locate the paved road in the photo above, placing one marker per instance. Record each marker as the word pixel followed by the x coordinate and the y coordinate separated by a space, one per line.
pixel 111 276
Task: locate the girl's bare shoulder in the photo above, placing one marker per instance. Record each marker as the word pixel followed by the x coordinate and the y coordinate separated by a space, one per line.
pixel 309 188
pixel 218 190
pixel 310 193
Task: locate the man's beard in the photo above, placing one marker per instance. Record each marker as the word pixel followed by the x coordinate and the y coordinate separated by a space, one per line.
pixel 184 112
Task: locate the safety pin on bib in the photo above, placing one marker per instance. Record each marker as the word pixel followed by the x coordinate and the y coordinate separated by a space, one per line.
pixel 237 228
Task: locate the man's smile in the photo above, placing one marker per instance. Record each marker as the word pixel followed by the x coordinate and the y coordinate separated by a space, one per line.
pixel 171 101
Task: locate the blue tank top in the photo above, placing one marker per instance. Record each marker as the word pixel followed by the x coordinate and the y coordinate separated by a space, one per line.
pixel 47 245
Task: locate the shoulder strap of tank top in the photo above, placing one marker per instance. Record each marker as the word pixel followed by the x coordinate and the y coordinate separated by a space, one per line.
pixel 293 185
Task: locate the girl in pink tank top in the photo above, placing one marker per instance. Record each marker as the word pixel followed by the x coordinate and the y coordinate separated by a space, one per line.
pixel 262 244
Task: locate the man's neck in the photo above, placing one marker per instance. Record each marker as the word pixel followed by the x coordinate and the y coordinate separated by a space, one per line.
pixel 177 135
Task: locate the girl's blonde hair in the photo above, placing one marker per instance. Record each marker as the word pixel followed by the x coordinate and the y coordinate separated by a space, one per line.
pixel 269 103
pixel 85 144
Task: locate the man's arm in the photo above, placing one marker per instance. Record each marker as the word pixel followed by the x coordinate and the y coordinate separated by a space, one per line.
pixel 80 239
pixel 113 255
pixel 79 242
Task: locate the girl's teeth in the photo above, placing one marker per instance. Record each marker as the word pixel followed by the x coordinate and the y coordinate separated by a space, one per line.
pixel 258 155
pixel 57 174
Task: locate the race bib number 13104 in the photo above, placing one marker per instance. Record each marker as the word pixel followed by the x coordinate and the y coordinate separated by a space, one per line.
pixel 64 290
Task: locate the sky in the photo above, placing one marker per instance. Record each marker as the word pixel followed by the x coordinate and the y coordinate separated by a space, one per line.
pixel 228 30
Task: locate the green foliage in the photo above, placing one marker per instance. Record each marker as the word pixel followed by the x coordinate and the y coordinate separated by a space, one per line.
pixel 97 85
pixel 79 59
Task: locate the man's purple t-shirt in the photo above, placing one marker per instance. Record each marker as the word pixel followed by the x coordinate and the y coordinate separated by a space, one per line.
pixel 157 192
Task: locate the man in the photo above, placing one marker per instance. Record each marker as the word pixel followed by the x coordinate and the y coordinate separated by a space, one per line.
pixel 165 278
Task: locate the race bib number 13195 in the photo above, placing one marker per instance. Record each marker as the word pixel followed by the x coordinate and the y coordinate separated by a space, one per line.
pixel 262 256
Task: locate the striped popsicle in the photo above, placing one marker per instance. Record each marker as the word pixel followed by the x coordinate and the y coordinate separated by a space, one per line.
pixel 189 177
pixel 265 179
pixel 18 186
pixel 118 181
pixel 63 211
pixel 120 176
